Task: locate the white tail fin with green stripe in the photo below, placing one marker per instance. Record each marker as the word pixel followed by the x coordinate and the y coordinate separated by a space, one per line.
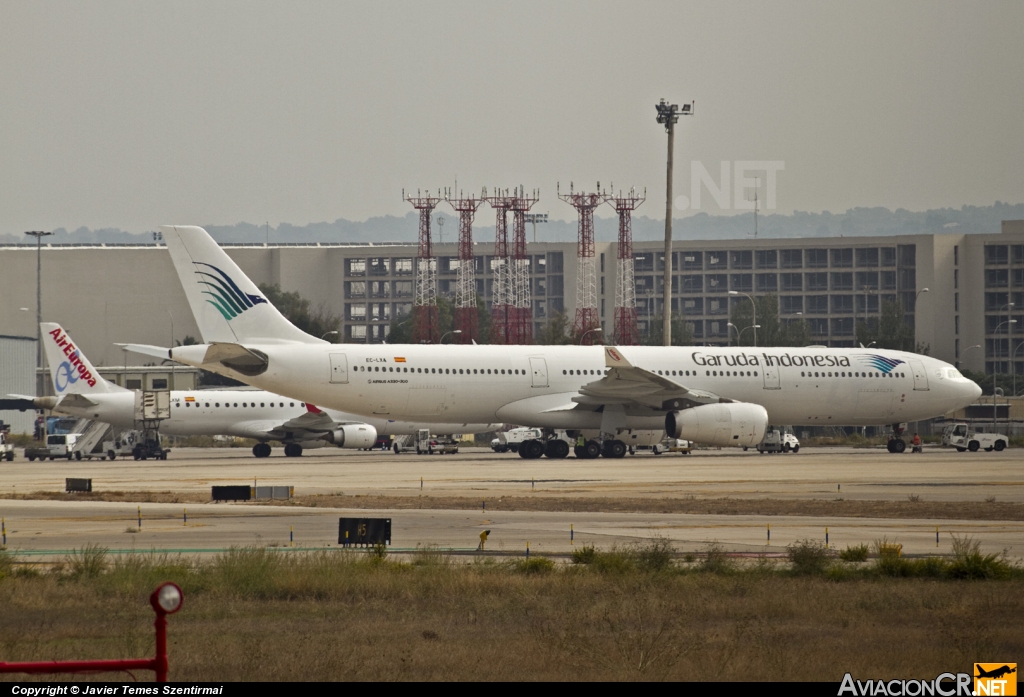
pixel 227 305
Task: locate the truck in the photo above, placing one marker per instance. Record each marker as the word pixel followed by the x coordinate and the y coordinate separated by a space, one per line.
pixel 6 449
pixel 962 437
pixel 778 440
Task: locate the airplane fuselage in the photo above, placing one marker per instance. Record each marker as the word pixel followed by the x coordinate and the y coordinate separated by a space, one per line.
pixel 535 385
pixel 242 413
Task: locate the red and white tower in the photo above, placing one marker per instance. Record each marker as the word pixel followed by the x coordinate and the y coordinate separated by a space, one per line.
pixel 465 283
pixel 587 318
pixel 626 332
pixel 425 329
pixel 501 291
pixel 520 328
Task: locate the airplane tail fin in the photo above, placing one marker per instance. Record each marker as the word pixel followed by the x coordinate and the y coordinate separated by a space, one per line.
pixel 227 305
pixel 71 370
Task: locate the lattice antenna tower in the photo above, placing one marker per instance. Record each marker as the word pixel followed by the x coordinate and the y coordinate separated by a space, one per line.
pixel 465 283
pixel 586 279
pixel 425 327
pixel 626 332
pixel 501 293
pixel 520 329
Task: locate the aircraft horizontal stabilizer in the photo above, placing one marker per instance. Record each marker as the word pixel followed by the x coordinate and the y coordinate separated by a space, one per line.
pixel 146 350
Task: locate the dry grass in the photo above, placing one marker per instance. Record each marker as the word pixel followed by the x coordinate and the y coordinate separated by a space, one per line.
pixel 259 615
pixel 988 509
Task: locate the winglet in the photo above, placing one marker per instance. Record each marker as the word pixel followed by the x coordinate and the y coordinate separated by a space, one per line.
pixel 313 409
pixel 613 358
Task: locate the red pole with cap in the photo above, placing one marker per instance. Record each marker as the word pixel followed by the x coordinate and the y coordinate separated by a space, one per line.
pixel 166 600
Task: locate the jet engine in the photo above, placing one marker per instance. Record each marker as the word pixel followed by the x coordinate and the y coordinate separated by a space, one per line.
pixel 734 423
pixel 353 436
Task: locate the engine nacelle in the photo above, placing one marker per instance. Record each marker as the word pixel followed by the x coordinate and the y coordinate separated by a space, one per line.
pixel 734 423
pixel 353 436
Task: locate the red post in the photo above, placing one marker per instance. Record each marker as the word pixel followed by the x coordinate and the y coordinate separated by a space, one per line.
pixel 166 600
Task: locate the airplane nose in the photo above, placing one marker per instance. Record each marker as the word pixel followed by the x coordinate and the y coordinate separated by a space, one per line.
pixel 973 390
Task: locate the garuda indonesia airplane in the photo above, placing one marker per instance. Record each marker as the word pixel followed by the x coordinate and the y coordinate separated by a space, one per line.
pixel 713 395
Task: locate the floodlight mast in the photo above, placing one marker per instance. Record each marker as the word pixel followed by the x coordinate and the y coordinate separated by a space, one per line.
pixel 520 329
pixel 586 274
pixel 501 293
pixel 626 332
pixel 424 311
pixel 465 284
pixel 668 115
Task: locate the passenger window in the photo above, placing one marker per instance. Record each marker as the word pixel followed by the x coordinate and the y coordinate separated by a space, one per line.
pixel 217 404
pixel 291 404
pixel 207 405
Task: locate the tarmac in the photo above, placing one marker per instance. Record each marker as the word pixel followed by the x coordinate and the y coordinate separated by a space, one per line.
pixel 45 529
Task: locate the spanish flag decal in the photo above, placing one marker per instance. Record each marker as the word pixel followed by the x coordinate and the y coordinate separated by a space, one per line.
pixel 190 399
pixel 399 359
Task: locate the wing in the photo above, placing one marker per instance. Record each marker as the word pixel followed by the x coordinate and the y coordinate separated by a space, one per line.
pixel 626 384
pixel 313 424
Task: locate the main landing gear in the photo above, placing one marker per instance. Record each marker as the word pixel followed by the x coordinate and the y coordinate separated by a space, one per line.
pixel 896 444
pixel 293 450
pixel 261 450
pixel 594 448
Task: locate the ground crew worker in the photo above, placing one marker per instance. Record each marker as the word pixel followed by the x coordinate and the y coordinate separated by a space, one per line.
pixel 916 442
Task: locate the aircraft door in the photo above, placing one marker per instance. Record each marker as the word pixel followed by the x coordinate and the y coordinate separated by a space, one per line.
pixel 920 375
pixel 339 368
pixel 539 369
pixel 772 381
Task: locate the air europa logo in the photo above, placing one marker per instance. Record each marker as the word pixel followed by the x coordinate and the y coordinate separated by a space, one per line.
pixel 73 369
pixel 880 363
pixel 225 295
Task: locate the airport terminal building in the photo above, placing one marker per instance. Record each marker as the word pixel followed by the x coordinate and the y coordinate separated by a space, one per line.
pixel 104 294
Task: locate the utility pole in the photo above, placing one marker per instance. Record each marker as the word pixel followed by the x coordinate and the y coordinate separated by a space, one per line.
pixel 668 114
pixel 39 235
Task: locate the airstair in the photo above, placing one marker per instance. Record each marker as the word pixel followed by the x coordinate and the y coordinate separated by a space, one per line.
pixel 93 433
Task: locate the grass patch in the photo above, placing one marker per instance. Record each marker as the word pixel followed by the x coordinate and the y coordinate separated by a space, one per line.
pixel 258 614
pixel 855 553
pixel 809 557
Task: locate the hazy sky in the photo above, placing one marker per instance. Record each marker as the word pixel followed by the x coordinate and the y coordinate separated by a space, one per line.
pixel 133 114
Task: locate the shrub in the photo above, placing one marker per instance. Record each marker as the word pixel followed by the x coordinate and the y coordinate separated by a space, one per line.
pixel 89 562
pixel 613 561
pixel 969 563
pixel 715 560
pixel 653 555
pixel 854 553
pixel 584 554
pixel 534 565
pixel 809 557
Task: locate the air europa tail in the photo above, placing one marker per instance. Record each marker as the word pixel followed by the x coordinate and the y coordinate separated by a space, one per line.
pixel 228 307
pixel 71 370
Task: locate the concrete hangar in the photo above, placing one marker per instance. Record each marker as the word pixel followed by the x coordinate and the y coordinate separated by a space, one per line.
pixel 130 293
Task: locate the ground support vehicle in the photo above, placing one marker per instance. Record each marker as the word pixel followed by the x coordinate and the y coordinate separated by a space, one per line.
pixel 778 440
pixel 425 444
pixel 123 445
pixel 962 437
pixel 512 439
pixel 6 449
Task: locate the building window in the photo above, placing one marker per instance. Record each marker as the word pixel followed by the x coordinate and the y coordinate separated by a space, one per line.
pixel 791 304
pixel 956 259
pixel 792 282
pixel 842 258
pixel 997 278
pixel 996 254
pixel 888 256
pixel 715 260
pixel 842 281
pixel 767 282
pixel 817 304
pixel 767 259
pixel 867 279
pixel 817 258
pixel 742 282
pixel 816 281
pixel 842 326
pixel 792 258
pixel 741 259
pixel 867 257
pixel 355 267
pixel 842 304
pixel 692 261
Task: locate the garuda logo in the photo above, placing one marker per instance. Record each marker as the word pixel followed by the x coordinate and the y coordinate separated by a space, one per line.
pixel 225 295
pixel 881 363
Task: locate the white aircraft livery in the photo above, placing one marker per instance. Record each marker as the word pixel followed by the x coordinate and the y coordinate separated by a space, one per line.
pixel 713 395
pixel 81 392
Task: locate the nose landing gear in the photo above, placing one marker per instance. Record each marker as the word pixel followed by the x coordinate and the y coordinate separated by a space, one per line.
pixel 896 444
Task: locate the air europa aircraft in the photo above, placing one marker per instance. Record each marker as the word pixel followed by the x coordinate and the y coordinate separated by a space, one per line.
pixel 80 391
pixel 713 395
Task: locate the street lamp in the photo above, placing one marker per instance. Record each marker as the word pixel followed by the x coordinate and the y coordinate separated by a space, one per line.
pixel 39 235
pixel 752 305
pixel 595 329
pixel 1013 365
pixel 454 331
pixel 995 372
pixel 668 115
pixel 755 327
pixel 326 334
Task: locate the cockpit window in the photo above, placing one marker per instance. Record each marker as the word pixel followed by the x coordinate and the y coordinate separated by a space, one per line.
pixel 953 373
